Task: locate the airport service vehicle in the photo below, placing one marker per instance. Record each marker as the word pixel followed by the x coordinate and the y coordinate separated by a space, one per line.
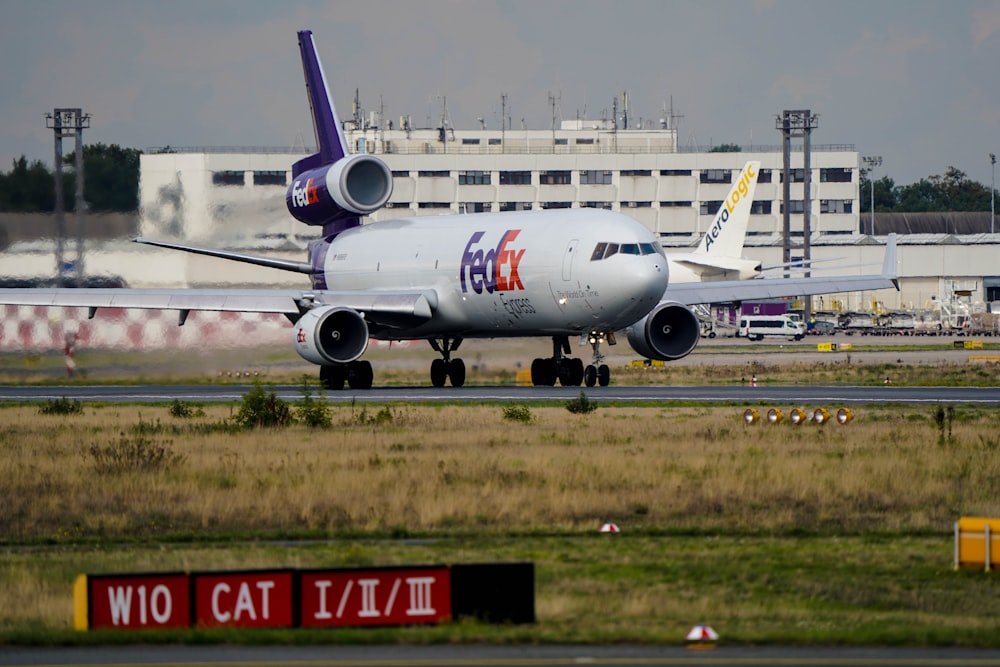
pixel 564 274
pixel 759 327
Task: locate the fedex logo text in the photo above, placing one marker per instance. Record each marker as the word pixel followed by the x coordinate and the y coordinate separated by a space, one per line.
pixel 304 195
pixel 491 269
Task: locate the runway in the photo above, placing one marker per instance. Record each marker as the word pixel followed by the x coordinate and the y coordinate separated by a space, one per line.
pixel 495 656
pixel 791 395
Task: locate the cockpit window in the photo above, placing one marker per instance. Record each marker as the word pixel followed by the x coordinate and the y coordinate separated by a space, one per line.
pixel 603 250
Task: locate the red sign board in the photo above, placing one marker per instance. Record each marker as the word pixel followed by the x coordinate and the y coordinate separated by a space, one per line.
pixel 243 599
pixel 140 601
pixel 390 596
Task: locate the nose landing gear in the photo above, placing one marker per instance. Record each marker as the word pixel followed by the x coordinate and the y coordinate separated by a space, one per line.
pixel 597 373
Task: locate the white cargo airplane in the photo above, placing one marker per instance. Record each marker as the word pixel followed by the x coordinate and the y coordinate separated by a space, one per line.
pixel 571 273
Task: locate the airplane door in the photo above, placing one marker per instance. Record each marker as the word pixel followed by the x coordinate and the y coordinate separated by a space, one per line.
pixel 567 268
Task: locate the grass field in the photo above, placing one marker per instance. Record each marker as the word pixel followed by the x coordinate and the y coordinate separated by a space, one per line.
pixel 835 534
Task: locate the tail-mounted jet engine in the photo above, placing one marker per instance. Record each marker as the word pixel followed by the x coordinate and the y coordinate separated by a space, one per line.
pixel 355 185
pixel 670 331
pixel 331 335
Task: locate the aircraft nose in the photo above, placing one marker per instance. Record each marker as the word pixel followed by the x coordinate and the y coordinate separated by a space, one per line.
pixel 645 282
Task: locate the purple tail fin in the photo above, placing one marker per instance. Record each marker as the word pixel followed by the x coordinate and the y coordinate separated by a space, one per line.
pixel 326 124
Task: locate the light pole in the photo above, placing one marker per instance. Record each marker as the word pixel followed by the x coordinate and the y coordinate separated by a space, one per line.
pixel 993 187
pixel 872 161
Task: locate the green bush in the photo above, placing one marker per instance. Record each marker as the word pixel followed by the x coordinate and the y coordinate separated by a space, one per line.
pixel 185 410
pixel 581 405
pixel 61 406
pixel 518 413
pixel 262 409
pixel 133 453
pixel 312 412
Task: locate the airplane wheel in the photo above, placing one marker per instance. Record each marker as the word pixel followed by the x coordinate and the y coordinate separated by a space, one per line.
pixel 576 372
pixel 439 373
pixel 564 372
pixel 590 375
pixel 332 378
pixel 456 372
pixel 360 375
pixel 603 375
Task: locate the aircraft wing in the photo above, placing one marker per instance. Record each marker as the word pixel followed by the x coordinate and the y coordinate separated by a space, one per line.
pixel 388 309
pixel 728 291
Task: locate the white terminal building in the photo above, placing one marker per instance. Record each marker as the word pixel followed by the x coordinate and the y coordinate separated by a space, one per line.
pixel 235 198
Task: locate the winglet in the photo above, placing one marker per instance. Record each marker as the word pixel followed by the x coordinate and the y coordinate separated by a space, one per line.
pixel 889 263
pixel 331 142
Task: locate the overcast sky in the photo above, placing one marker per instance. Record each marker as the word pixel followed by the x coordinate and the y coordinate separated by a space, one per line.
pixel 913 81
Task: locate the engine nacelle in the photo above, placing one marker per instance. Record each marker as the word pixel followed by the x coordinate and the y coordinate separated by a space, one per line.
pixel 355 185
pixel 670 331
pixel 331 335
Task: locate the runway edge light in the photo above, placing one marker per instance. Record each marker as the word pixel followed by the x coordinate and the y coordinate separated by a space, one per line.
pixel 701 637
pixel 821 416
pixel 844 415
pixel 610 528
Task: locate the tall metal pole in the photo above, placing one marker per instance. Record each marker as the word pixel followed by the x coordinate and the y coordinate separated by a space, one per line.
pixel 993 187
pixel 872 161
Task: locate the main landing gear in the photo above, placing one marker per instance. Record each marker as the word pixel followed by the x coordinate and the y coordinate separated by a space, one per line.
pixel 570 371
pixel 447 368
pixel 357 375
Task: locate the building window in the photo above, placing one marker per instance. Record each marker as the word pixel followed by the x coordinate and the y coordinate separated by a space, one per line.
pixel 229 178
pixel 474 178
pixel 470 142
pixel 269 178
pixel 400 174
pixel 760 207
pixel 835 175
pixel 494 142
pixel 562 142
pixel 795 176
pixel 584 142
pixel 606 205
pixel 475 207
pixel 554 178
pixel 674 204
pixel 595 177
pixel 716 176
pixel 636 172
pixel 794 206
pixel 434 204
pixel 637 204
pixel 710 207
pixel 675 172
pixel 764 176
pixel 434 174
pixel 557 204
pixel 515 206
pixel 515 178
pixel 836 206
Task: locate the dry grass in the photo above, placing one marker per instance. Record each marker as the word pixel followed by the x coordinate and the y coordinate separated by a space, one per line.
pixel 459 470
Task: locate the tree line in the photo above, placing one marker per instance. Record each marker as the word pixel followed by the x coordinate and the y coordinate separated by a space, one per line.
pixel 952 191
pixel 111 182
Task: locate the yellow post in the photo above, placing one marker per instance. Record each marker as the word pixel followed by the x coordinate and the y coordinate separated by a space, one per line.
pixel 80 603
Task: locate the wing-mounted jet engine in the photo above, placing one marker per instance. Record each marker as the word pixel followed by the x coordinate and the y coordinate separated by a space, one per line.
pixel 670 331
